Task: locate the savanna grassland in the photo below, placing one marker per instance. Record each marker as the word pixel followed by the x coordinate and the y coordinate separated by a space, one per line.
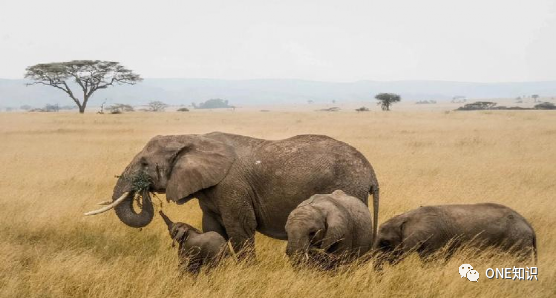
pixel 54 167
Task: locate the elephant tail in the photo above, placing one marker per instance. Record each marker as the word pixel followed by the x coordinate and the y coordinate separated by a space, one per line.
pixel 535 253
pixel 375 192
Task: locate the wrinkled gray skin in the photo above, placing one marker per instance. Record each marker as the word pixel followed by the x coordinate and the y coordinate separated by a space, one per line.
pixel 337 224
pixel 196 248
pixel 428 229
pixel 245 184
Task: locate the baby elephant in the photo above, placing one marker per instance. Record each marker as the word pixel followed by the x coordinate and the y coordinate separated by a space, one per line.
pixel 428 229
pixel 329 228
pixel 195 247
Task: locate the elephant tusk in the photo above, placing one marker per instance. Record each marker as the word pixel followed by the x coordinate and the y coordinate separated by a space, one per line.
pixel 108 207
pixel 104 203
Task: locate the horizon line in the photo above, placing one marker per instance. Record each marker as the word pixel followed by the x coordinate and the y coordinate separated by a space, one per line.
pixel 335 82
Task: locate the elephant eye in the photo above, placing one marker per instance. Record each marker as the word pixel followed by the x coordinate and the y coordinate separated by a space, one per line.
pixel 144 162
pixel 158 172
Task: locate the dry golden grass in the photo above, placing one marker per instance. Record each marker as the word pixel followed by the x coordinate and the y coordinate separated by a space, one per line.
pixel 54 167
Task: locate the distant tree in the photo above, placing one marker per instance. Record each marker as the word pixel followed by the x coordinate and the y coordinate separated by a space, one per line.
pixel 426 102
pixel 120 108
pixel 68 107
pixel 479 105
pixel 310 101
pixel 52 108
pixel 385 100
pixel 362 109
pixel 183 110
pixel 89 75
pixel 215 103
pixel 157 106
pixel 458 99
pixel 535 97
pixel 26 107
pixel 333 101
pixel 126 108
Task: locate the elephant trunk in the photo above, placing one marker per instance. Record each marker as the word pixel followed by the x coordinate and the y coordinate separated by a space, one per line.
pixel 167 220
pixel 297 248
pixel 290 251
pixel 125 211
pixel 303 252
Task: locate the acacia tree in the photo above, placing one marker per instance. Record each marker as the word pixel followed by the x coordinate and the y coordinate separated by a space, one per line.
pixel 535 97
pixel 157 106
pixel 387 99
pixel 120 107
pixel 89 75
pixel 214 103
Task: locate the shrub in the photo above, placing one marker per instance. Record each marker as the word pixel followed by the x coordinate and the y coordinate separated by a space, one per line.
pixel 545 106
pixel 215 103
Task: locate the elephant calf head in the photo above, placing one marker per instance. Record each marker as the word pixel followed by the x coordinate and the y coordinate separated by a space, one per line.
pixel 178 165
pixel 178 230
pixel 388 245
pixel 196 249
pixel 314 232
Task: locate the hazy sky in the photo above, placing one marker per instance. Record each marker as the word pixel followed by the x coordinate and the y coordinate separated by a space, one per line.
pixel 466 40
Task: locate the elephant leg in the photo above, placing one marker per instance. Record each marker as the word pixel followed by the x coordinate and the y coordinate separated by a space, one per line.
pixel 414 244
pixel 194 265
pixel 240 226
pixel 431 246
pixel 210 223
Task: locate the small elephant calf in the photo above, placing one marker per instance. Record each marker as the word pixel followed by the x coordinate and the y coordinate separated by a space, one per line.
pixel 195 247
pixel 330 228
pixel 428 229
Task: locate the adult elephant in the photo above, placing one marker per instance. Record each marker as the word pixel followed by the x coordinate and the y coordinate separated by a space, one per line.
pixel 243 184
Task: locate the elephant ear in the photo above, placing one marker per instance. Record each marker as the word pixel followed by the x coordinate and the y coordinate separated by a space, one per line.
pixel 199 164
pixel 180 234
pixel 402 233
pixel 337 227
pixel 316 238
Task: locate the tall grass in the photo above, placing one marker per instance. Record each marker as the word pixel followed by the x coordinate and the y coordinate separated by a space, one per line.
pixel 54 167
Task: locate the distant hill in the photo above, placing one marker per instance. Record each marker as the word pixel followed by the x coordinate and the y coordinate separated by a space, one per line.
pixel 14 93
